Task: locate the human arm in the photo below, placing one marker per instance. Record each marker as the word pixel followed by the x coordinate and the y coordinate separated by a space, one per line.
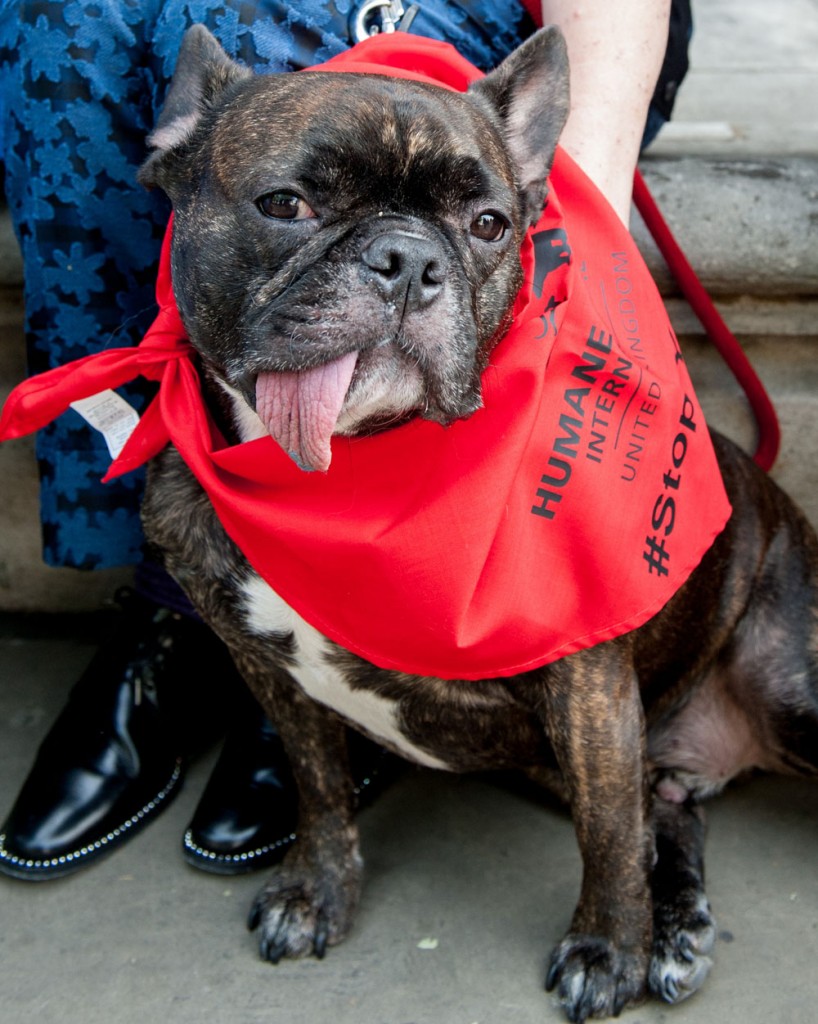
pixel 615 50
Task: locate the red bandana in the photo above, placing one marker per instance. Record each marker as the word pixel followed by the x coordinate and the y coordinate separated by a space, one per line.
pixel 564 513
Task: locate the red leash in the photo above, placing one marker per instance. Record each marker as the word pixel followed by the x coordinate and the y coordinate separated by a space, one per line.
pixel 769 432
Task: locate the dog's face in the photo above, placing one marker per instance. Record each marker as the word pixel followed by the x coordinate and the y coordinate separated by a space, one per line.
pixel 346 246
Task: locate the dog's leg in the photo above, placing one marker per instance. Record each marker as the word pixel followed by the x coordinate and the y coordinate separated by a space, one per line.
pixel 593 714
pixel 683 927
pixel 309 902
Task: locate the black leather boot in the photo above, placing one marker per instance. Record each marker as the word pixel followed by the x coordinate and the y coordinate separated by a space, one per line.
pixel 246 817
pixel 115 756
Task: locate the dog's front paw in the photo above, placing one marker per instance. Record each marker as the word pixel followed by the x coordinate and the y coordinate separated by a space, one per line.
pixel 683 935
pixel 302 910
pixel 593 978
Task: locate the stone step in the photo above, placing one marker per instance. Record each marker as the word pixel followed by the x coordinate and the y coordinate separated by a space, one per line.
pixel 746 226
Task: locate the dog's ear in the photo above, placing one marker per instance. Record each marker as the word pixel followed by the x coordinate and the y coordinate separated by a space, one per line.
pixel 203 71
pixel 530 92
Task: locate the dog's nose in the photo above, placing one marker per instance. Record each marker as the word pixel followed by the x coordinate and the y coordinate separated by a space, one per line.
pixel 405 268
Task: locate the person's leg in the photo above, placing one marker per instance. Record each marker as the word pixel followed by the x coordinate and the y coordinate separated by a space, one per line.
pixel 80 99
pixel 674 68
pixel 82 84
pixel 71 130
pixel 75 120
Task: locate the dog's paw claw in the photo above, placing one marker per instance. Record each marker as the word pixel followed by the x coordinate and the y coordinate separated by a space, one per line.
pixel 300 914
pixel 682 943
pixel 595 979
pixel 254 917
pixel 321 937
pixel 271 950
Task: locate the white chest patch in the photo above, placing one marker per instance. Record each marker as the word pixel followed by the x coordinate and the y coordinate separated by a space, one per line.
pixel 265 612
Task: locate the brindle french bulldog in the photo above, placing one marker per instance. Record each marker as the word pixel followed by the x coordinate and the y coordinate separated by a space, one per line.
pixel 355 196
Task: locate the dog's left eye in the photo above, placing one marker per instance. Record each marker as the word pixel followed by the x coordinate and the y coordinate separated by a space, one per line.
pixel 489 226
pixel 284 206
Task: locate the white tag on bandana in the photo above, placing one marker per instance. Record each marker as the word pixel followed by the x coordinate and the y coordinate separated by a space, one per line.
pixel 111 415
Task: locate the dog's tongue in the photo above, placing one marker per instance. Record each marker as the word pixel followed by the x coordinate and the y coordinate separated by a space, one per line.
pixel 301 409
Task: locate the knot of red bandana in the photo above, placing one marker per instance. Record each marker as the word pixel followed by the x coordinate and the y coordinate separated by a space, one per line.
pixel 564 513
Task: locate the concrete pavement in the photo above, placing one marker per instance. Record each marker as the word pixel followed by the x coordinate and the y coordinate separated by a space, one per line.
pixel 468 886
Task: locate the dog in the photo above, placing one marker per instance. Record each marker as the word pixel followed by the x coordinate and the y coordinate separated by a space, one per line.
pixel 345 261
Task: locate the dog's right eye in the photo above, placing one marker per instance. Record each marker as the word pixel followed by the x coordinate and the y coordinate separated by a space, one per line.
pixel 284 206
pixel 489 226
